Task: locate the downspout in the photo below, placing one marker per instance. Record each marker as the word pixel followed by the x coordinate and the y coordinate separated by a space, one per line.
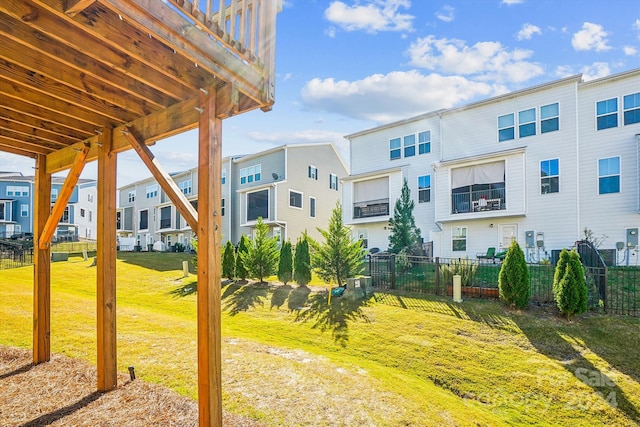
pixel 577 163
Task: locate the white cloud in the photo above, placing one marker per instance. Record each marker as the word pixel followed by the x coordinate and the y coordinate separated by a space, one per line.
pixel 485 60
pixel 630 50
pixel 301 137
pixel 374 16
pixel 636 26
pixel 446 13
pixel 510 2
pixel 595 71
pixel 591 37
pixel 387 97
pixel 527 32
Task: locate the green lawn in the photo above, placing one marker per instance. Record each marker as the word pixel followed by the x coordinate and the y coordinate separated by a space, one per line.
pixel 290 359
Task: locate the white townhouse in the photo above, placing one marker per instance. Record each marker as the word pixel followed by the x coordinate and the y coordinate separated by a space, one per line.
pixel 538 165
pixel 293 188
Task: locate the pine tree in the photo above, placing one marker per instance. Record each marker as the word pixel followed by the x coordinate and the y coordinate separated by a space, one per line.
pixel 228 261
pixel 302 261
pixel 261 258
pixel 338 257
pixel 571 291
pixel 513 279
pixel 404 233
pixel 241 271
pixel 561 269
pixel 285 264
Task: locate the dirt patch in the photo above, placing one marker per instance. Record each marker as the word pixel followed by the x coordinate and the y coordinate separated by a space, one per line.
pixel 62 392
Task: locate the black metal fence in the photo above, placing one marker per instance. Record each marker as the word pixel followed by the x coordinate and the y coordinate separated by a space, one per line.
pixel 14 257
pixel 614 289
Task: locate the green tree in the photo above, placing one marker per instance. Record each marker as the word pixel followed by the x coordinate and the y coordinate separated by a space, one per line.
pixel 403 231
pixel 513 279
pixel 571 290
pixel 338 257
pixel 241 271
pixel 561 268
pixel 229 261
pixel 261 258
pixel 285 264
pixel 302 261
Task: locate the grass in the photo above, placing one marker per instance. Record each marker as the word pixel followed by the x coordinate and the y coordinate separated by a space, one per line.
pixel 290 359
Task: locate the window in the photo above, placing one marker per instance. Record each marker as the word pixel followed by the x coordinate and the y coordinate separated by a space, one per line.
pixel 424 188
pixel 424 142
pixel 65 215
pixel 631 105
pixel 250 174
pixel 333 181
pixel 549 118
pixel 119 220
pixel 17 190
pixel 258 205
pixel 90 197
pixel 363 236
pixel 144 220
pixel 222 207
pixel 54 194
pixel 90 216
pixel 132 196
pixel 409 143
pixel 165 217
pixel 607 114
pixel 527 123
pixel 313 172
pixel 459 238
pixel 5 211
pixel 223 179
pixel 312 207
pixel 24 210
pixel 549 176
pixel 295 199
pixel 506 127
pixel 152 191
pixel 82 213
pixel 394 149
pixel 186 186
pixel 609 175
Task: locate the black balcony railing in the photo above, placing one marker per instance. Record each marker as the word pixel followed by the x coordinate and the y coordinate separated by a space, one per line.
pixel 371 208
pixel 478 201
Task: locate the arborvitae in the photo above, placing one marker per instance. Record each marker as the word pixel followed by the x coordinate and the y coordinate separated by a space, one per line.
pixel 285 264
pixel 561 268
pixel 338 257
pixel 513 279
pixel 302 261
pixel 403 231
pixel 229 260
pixel 261 258
pixel 571 291
pixel 241 271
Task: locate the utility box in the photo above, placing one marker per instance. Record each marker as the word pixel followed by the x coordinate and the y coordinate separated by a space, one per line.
pixel 529 239
pixel 358 288
pixel 632 237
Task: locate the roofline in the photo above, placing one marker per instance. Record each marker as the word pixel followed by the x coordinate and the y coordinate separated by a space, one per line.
pixel 369 174
pixel 396 123
pixel 476 157
pixel 629 73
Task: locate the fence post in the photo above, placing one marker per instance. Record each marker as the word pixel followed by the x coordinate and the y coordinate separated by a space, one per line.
pixel 392 270
pixel 603 290
pixel 437 275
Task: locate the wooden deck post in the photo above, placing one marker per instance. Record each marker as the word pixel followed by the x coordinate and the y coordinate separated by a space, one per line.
pixel 41 265
pixel 106 268
pixel 209 273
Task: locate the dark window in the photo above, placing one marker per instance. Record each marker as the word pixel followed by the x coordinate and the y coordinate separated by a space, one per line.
pixel 295 199
pixel 258 205
pixel 165 217
pixel 144 220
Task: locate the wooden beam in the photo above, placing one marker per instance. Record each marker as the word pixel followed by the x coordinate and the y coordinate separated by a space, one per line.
pixel 170 187
pixel 10 148
pixel 63 198
pixel 41 265
pixel 73 7
pixel 209 269
pixel 106 274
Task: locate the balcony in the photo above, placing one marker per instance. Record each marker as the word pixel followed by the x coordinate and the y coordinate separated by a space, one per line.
pixel 371 208
pixel 478 201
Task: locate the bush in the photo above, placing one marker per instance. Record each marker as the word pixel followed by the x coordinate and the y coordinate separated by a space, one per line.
pixel 229 261
pixel 285 264
pixel 570 291
pixel 261 258
pixel 241 271
pixel 302 261
pixel 513 280
pixel 464 267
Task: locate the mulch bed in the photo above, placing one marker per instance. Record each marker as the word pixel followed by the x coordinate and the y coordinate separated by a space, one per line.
pixel 62 392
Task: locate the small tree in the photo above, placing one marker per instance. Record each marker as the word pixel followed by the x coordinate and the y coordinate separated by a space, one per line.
pixel 404 233
pixel 229 260
pixel 285 264
pixel 513 279
pixel 261 258
pixel 241 271
pixel 338 257
pixel 571 290
pixel 302 261
pixel 561 269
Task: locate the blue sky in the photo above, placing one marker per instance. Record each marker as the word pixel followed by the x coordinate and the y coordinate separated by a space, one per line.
pixel 345 66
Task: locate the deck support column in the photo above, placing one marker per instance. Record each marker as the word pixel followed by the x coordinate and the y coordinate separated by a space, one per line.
pixel 106 266
pixel 41 265
pixel 209 262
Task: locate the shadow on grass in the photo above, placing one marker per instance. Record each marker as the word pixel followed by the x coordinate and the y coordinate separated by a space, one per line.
pixel 185 290
pixel 51 417
pixel 241 296
pixel 298 298
pixel 17 371
pixel 159 261
pixel 334 317
pixel 280 295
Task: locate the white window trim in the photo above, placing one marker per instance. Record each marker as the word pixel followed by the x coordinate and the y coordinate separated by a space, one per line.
pixel 466 237
pixel 550 176
pixel 315 207
pixel 246 205
pixel 301 199
pixel 426 188
pixel 540 119
pixel 139 217
pixel 315 172
pixel 595 116
pixel 619 174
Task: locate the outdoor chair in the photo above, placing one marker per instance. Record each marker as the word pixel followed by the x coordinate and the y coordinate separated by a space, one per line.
pixel 489 255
